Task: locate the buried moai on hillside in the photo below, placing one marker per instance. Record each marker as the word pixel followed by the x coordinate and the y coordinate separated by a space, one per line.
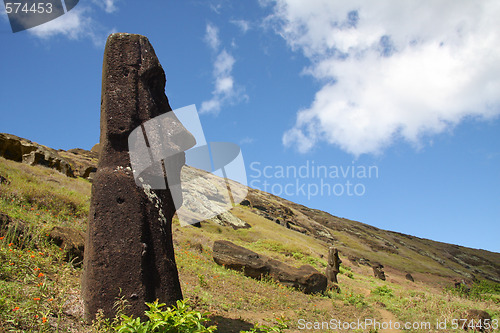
pixel 378 271
pixel 129 251
pixel 333 267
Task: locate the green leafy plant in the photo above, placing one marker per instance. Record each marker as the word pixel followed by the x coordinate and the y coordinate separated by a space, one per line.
pixel 175 319
pixel 383 291
pixel 103 324
pixel 201 281
pixel 482 290
pixel 356 300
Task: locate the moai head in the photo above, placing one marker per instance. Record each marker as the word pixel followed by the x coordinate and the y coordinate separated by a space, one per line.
pixel 333 257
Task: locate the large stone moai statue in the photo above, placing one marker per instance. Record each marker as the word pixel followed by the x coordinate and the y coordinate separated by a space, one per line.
pixel 333 267
pixel 129 250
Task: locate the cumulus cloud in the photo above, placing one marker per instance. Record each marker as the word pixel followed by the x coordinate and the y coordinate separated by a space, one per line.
pixel 212 36
pixel 76 24
pixel 225 91
pixel 391 69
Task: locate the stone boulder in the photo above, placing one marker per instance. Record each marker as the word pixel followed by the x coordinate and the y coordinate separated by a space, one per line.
pixel 409 277
pixel 478 319
pixel 305 278
pixel 205 195
pixel 71 240
pixel 227 219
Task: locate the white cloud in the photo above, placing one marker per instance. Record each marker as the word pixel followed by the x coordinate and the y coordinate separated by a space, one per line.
pixel 225 90
pixel 107 5
pixel 211 106
pixel 212 36
pixel 76 24
pixel 242 24
pixel 72 24
pixel 391 69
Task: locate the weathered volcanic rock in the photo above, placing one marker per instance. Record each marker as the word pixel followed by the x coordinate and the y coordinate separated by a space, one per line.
pixel 13 147
pixel 21 150
pixel 305 278
pixel 72 163
pixel 71 240
pixel 227 219
pixel 83 162
pixel 46 157
pixel 477 318
pixel 129 250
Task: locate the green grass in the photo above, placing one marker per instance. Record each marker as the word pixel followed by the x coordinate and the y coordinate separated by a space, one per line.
pixel 34 284
pixel 35 281
pixel 37 287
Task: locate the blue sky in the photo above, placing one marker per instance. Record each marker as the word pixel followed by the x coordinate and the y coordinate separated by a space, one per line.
pixel 411 90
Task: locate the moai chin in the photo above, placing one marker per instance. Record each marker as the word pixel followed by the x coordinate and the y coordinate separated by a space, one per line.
pixel 129 251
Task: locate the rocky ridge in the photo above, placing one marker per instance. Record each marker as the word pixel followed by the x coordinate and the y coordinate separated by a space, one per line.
pixel 72 163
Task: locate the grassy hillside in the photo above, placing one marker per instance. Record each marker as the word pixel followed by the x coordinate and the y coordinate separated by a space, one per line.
pixel 396 251
pixel 39 289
